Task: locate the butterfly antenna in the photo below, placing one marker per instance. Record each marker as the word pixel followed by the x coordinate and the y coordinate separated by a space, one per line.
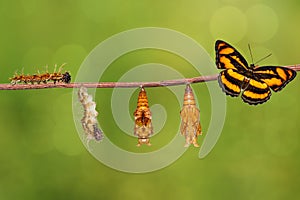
pixel 249 47
pixel 267 56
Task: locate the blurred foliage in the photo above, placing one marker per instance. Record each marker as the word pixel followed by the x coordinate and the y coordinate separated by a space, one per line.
pixel 42 156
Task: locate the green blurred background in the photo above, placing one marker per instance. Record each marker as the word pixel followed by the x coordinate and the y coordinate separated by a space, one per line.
pixel 41 155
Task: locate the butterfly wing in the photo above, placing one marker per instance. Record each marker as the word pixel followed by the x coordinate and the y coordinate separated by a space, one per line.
pixel 276 77
pixel 231 82
pixel 256 92
pixel 227 57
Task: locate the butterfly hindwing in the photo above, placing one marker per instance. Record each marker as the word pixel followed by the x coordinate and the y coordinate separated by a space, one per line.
pixel 256 92
pixel 230 81
pixel 227 57
pixel 276 77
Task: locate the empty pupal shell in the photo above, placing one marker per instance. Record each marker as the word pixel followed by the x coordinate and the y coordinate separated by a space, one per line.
pixel 190 126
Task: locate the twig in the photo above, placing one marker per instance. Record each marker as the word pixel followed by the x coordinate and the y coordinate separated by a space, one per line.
pixel 120 84
pixel 108 84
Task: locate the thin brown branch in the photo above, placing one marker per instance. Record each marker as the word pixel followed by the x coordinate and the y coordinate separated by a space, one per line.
pixel 109 84
pixel 119 84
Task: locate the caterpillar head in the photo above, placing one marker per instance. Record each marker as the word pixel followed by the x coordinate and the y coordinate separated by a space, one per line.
pixel 66 77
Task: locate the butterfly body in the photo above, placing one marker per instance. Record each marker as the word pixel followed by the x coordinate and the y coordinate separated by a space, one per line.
pixel 254 83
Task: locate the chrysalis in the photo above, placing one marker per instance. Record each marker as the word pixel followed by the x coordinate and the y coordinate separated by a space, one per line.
pixel 190 118
pixel 89 121
pixel 142 116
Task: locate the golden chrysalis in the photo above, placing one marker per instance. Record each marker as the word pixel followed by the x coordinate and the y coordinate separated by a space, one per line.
pixel 190 126
pixel 143 125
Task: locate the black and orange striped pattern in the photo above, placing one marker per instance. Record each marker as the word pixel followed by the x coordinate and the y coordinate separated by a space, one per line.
pixel 253 82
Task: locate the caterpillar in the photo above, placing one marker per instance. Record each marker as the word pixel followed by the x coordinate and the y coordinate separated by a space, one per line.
pixel 89 120
pixel 190 118
pixel 142 115
pixel 42 78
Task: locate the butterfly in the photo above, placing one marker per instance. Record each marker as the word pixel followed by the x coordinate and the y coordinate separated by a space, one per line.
pixel 253 82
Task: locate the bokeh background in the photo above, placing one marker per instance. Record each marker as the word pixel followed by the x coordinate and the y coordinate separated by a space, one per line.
pixel 41 155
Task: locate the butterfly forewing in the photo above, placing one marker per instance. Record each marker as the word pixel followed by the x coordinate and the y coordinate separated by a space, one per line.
pixel 227 57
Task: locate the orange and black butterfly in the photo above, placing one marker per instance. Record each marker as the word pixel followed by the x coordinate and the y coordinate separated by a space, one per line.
pixel 253 82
